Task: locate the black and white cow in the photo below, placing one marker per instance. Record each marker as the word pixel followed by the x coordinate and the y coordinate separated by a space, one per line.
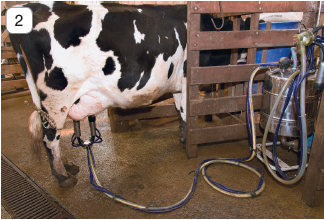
pixel 84 59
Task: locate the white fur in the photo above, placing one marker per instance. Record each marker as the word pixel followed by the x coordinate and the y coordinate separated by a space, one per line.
pixel 138 35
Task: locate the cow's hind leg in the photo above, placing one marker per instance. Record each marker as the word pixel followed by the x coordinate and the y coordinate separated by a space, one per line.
pixel 51 143
pixel 180 102
pixel 39 133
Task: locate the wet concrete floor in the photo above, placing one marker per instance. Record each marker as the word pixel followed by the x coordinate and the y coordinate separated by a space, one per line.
pixel 148 166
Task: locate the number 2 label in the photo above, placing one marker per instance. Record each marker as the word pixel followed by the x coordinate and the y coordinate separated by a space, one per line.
pixel 21 17
pixel 19 20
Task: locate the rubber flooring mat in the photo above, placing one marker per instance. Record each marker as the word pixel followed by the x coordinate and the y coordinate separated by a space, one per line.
pixel 22 198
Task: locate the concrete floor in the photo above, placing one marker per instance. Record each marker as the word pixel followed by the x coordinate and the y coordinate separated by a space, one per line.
pixel 148 166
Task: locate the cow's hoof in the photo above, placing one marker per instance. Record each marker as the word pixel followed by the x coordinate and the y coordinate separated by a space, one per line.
pixel 68 182
pixel 73 169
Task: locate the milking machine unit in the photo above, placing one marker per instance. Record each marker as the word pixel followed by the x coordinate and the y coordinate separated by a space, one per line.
pixel 290 100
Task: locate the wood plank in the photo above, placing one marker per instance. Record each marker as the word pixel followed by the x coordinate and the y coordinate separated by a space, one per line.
pixel 248 7
pixel 224 74
pixel 321 181
pixel 11 69
pixel 13 77
pixel 13 84
pixel 117 125
pixel 193 23
pixel 311 194
pixel 4 36
pixel 222 105
pixel 212 40
pixel 221 133
pixel 3 20
pixel 228 7
pixel 148 112
pixel 251 56
pixel 7 52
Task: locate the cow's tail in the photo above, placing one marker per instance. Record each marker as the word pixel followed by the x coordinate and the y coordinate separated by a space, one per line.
pixel 35 123
pixel 36 134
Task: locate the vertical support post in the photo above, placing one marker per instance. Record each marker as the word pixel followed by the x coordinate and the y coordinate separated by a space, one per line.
pixel 193 24
pixel 313 193
pixel 251 56
pixel 117 125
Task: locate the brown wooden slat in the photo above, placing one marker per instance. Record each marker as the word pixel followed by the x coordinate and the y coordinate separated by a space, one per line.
pixel 321 181
pixel 14 84
pixel 224 74
pixel 4 36
pixel 192 90
pixel 7 52
pixel 221 133
pixel 222 105
pixel 14 77
pixel 148 112
pixel 312 196
pixel 3 20
pixel 251 56
pixel 228 7
pixel 210 40
pixel 117 125
pixel 248 7
pixel 11 69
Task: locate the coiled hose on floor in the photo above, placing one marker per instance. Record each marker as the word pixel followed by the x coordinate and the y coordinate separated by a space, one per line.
pixel 202 167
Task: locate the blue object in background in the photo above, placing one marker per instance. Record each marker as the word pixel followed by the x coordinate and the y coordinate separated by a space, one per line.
pixel 310 140
pixel 275 53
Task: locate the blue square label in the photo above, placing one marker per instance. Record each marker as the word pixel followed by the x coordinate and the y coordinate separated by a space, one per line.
pixel 19 20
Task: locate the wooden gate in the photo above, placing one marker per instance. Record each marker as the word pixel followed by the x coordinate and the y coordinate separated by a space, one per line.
pixel 231 77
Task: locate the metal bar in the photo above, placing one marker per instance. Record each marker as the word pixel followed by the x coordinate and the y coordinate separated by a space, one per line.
pixel 28 200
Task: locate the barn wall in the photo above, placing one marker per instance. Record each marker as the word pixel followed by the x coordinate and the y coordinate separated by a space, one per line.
pixel 154 2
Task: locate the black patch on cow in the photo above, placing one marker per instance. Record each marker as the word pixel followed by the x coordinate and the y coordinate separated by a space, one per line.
pixel 37 47
pixel 156 22
pixel 148 65
pixel 58 137
pixel 77 101
pixel 23 64
pixel 109 67
pixel 41 12
pixel 185 68
pixel 56 79
pixel 50 133
pixel 181 109
pixel 170 70
pixel 74 22
pixel 42 95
